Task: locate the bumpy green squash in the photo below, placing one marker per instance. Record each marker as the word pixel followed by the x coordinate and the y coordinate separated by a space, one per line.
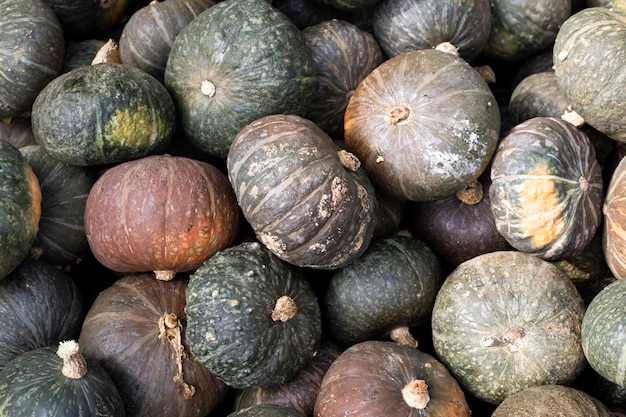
pixel 237 61
pixel 20 207
pixel 102 114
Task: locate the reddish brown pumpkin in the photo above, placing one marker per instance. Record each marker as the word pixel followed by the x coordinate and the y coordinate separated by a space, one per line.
pixel 160 213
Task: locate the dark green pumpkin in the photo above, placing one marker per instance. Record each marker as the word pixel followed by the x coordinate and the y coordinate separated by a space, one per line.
pixel 603 336
pixel 424 124
pixel 406 25
pixel 20 207
pixel 504 321
pixel 252 319
pixel 236 62
pixel 32 47
pixel 589 58
pixel 103 114
pixel 61 238
pixel 306 199
pixel 39 382
pixel 382 294
pixel 547 188
pixel 147 37
pixel 40 306
pixel 84 19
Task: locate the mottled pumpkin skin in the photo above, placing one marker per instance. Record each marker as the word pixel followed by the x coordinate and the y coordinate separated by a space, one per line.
pixel 20 207
pixel 32 47
pixel 424 124
pixel 547 188
pixel 121 330
pixel 160 213
pixel 550 401
pixel 301 201
pixel 237 61
pixel 403 26
pixel 103 114
pixel 589 58
pixel 367 380
pixel 230 329
pixel 603 336
pixel 504 321
pixel 614 210
pixel 32 384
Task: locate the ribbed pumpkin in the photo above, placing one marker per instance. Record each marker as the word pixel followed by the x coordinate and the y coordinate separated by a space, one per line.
pixel 252 319
pixel 136 328
pixel 405 25
pixel 147 37
pixel 160 213
pixel 382 294
pixel 378 378
pixel 424 124
pixel 20 207
pixel 614 210
pixel 237 61
pixel 32 47
pixel 344 55
pixel 58 382
pixel 103 114
pixel 83 19
pixel 504 321
pixel 41 306
pixel 589 58
pixel 547 188
pixel 306 200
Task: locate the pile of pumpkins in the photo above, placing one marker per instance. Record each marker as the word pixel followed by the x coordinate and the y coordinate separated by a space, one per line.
pixel 302 208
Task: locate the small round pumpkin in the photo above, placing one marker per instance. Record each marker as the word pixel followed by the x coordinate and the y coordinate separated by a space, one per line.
pixel 547 188
pixel 381 378
pixel 504 321
pixel 424 124
pixel 58 383
pixel 306 199
pixel 160 213
pixel 32 48
pixel 253 319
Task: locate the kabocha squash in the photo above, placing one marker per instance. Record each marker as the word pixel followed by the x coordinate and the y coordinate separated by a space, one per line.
pixel 136 329
pixel 403 25
pixel 614 212
pixel 32 47
pixel 382 294
pixel 237 61
pixel 103 114
pixel 41 306
pixel 424 124
pixel 147 37
pixel 520 29
pixel 83 19
pixel 504 321
pixel 603 335
pixel 252 319
pixel 58 382
pixel 547 188
pixel 550 401
pixel 589 58
pixel 266 410
pixel 344 55
pixel 306 200
pixel 378 378
pixel 20 207
pixel 160 213
pixel 61 238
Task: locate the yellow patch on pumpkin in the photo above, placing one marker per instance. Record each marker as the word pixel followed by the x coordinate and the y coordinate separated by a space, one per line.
pixel 130 129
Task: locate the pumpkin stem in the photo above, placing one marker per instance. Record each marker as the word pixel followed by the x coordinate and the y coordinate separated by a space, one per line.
pixel 448 48
pixel 472 193
pixel 109 52
pixel 402 335
pixel 284 309
pixel 165 275
pixel 170 330
pixel 487 73
pixel 415 394
pixel 509 340
pixel 572 117
pixel 74 364
pixel 399 114
pixel 348 160
pixel 207 88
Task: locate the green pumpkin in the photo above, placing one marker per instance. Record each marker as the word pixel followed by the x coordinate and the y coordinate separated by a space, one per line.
pixel 103 114
pixel 252 319
pixel 235 62
pixel 20 207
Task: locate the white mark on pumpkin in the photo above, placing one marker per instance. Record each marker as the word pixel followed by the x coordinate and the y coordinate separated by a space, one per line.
pixel 273 243
pixel 328 203
pixel 234 303
pixel 207 88
pixel 562 56
pixel 215 293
